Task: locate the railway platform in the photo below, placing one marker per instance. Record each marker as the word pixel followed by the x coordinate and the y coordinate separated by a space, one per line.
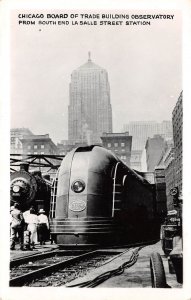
pixel 138 275
pixel 17 253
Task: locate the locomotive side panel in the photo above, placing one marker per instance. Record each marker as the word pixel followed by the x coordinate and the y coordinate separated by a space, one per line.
pixel 42 198
pixel 63 187
pixel 62 196
pixel 138 196
pixel 139 205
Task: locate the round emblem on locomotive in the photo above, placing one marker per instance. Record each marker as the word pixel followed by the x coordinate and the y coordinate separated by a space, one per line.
pixel 77 205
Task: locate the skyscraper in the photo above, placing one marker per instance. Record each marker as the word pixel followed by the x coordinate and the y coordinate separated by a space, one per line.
pixel 142 130
pixel 155 149
pixel 89 110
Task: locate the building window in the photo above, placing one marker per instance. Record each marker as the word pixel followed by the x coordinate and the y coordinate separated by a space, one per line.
pixel 109 145
pixel 122 144
pixel 41 152
pixel 28 152
pixel 123 150
pixel 116 144
pixel 29 147
pixel 35 146
pixel 35 152
pixel 42 146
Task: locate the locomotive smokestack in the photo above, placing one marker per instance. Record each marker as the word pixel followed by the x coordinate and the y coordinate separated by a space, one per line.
pixel 24 167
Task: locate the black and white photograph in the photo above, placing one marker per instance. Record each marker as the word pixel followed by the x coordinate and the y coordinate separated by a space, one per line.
pixel 96 159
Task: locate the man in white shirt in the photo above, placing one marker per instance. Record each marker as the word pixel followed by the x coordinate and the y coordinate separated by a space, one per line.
pixel 32 221
pixel 43 227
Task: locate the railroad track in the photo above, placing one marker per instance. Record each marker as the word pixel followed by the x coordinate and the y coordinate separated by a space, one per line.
pixel 35 272
pixel 58 268
pixel 40 256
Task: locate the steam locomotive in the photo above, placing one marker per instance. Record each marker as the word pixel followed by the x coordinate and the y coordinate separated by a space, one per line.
pixel 101 201
pixel 30 189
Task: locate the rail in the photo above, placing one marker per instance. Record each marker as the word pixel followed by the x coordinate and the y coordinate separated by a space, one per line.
pixel 61 268
pixel 26 278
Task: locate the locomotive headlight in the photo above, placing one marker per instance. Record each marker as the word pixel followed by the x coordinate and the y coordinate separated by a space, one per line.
pixel 78 186
pixel 16 188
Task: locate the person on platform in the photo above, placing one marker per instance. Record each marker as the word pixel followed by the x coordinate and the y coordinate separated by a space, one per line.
pixel 11 209
pixel 26 213
pixel 43 227
pixel 17 226
pixel 32 221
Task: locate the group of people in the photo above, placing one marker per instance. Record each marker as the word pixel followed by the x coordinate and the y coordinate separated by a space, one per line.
pixel 37 226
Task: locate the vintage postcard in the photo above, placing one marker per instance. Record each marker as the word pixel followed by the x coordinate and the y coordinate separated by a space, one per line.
pixel 92 123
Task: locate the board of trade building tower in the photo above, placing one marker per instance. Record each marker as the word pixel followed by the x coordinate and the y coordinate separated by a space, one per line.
pixel 89 110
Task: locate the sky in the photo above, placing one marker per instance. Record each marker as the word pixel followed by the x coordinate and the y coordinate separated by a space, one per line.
pixel 144 65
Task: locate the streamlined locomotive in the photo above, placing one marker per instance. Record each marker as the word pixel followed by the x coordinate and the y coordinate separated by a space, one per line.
pixel 100 201
pixel 30 189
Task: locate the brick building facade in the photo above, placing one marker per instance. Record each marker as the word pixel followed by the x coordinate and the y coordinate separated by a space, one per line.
pixel 120 144
pixel 38 144
pixel 177 121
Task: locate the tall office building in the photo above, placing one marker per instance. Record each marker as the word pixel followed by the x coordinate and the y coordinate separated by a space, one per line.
pixel 155 149
pixel 142 130
pixel 89 110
